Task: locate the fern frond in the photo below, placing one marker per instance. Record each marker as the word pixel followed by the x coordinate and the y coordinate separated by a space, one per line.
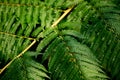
pixel 109 13
pixel 25 68
pixel 11 47
pixel 104 34
pixel 28 14
pixel 69 57
pixel 94 23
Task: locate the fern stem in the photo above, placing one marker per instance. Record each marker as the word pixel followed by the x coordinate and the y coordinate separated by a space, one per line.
pixel 62 16
pixel 16 35
pixel 26 49
pixel 1 70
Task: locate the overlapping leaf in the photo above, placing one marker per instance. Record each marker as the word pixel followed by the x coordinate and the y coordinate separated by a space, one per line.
pixel 70 60
pixel 11 45
pixel 94 23
pixel 25 68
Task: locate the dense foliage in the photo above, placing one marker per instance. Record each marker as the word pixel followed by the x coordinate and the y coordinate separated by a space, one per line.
pixel 59 40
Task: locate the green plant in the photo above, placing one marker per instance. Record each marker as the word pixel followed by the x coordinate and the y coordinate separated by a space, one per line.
pixel 59 40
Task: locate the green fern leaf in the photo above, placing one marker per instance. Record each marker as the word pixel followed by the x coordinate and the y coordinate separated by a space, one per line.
pixel 25 68
pixel 94 23
pixel 75 58
pixel 11 46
